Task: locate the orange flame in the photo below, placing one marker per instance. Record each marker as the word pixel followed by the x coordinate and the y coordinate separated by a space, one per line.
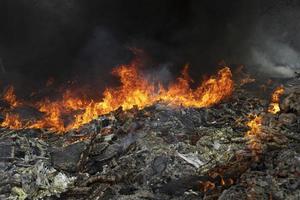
pixel 10 96
pixel 207 185
pixel 12 121
pixel 275 99
pixel 54 112
pixel 253 134
pixel 135 90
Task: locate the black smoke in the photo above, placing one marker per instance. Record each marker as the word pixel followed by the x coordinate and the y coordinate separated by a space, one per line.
pixel 82 40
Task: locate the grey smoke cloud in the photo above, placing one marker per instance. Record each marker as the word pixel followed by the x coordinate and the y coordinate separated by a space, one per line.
pixel 276 59
pixel 54 38
pixel 275 43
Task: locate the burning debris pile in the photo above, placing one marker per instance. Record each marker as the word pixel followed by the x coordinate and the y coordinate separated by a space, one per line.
pixel 146 141
pixel 135 90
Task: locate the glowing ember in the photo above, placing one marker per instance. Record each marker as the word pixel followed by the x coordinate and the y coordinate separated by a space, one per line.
pixel 207 185
pixel 135 90
pixel 252 135
pixel 275 99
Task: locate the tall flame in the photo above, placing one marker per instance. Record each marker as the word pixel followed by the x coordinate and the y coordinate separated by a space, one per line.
pixel 275 99
pixel 135 90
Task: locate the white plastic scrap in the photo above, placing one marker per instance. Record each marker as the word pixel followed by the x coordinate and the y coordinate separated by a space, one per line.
pixel 41 180
pixel 192 159
pixel 216 145
pixel 61 182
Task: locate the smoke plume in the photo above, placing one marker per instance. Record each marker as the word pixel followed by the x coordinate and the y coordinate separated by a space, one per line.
pixel 83 40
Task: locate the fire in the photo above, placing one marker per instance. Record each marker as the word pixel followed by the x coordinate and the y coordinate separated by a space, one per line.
pixel 12 121
pixel 255 123
pixel 210 92
pixel 10 97
pixel 135 90
pixel 54 112
pixel 52 120
pixel 253 135
pixel 275 99
pixel 207 185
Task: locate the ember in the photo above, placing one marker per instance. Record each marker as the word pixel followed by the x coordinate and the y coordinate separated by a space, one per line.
pixel 274 106
pixel 205 186
pixel 253 135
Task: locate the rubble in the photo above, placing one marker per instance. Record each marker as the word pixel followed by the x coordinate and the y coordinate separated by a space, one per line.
pixel 291 102
pixel 159 152
pixel 26 171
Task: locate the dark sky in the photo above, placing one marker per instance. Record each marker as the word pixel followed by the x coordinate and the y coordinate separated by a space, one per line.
pixel 83 40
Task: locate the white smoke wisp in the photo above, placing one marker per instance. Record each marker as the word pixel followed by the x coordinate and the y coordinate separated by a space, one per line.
pixel 274 42
pixel 276 59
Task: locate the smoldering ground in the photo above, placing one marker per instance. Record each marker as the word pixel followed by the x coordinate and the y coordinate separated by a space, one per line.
pixel 82 40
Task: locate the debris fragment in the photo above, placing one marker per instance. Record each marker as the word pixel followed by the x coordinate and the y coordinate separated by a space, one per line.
pixel 192 159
